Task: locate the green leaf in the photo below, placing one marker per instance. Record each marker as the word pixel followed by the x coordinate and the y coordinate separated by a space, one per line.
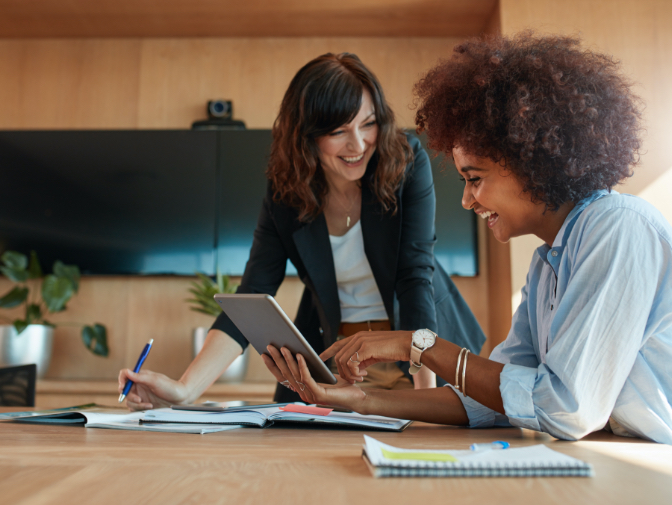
pixel 15 274
pixel 20 325
pixel 204 290
pixel 70 272
pixel 203 297
pixel 47 323
pixel 95 339
pixel 33 313
pixel 34 268
pixel 56 292
pixel 14 297
pixel 14 260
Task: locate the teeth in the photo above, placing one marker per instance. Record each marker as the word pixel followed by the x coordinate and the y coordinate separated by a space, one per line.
pixel 486 214
pixel 354 159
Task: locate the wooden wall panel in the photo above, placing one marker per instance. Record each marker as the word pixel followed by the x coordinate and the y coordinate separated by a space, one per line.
pixel 252 18
pixel 69 84
pixel 179 76
pixel 165 83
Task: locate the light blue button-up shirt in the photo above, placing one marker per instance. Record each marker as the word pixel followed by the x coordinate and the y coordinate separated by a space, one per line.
pixel 591 342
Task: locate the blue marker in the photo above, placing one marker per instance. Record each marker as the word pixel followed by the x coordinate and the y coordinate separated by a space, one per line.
pixel 138 365
pixel 488 447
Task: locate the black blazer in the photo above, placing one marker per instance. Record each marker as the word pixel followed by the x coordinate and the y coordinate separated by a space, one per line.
pixel 416 291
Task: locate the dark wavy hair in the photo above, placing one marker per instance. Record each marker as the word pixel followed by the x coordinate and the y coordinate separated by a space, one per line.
pixel 562 119
pixel 323 96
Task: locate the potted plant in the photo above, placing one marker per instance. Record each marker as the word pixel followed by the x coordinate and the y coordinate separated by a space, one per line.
pixel 29 339
pixel 203 291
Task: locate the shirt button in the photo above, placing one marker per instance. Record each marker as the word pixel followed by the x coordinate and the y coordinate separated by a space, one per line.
pixel 554 253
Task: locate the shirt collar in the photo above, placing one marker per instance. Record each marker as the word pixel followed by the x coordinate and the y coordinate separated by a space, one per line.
pixel 552 255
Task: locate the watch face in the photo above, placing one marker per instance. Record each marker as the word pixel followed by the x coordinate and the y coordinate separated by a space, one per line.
pixel 423 339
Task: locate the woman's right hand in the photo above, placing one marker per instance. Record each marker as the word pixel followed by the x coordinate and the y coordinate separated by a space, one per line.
pixel 354 354
pixel 151 390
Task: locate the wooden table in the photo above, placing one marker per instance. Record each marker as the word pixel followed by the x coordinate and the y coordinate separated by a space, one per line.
pixel 75 465
pixel 53 394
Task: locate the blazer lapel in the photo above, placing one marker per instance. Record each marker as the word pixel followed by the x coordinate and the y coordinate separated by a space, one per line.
pixel 381 232
pixel 312 243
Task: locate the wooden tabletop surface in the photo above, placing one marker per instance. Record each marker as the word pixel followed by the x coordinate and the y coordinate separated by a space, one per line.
pixel 73 465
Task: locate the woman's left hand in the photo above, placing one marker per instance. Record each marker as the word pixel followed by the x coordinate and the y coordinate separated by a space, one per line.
pixel 296 376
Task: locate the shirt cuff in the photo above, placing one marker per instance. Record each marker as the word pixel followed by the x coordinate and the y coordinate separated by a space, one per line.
pixel 479 415
pixel 516 386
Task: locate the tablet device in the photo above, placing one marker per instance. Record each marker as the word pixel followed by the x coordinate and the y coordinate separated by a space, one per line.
pixel 261 320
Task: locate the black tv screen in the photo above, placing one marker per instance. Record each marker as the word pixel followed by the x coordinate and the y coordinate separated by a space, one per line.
pixel 161 202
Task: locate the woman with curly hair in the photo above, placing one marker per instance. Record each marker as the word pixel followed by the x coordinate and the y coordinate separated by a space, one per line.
pixel 541 131
pixel 350 202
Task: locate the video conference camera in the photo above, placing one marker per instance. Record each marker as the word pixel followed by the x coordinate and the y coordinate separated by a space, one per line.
pixel 220 117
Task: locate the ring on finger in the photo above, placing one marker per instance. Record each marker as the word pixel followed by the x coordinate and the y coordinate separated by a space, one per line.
pixel 301 385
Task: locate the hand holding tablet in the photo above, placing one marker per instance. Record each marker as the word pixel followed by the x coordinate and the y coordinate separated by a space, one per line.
pixel 261 320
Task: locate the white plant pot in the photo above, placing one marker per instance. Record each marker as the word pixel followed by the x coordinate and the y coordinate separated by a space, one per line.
pixel 33 345
pixel 236 371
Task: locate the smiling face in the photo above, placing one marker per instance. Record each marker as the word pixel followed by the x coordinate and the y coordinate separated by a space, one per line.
pixel 345 152
pixel 495 194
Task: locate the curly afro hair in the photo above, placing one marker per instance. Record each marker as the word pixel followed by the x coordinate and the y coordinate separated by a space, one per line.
pixel 562 119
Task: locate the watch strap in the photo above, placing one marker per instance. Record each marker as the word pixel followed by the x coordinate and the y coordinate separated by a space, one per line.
pixel 416 353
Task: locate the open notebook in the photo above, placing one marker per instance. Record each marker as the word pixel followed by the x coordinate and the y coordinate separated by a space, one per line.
pixel 534 461
pixel 262 417
pixel 96 416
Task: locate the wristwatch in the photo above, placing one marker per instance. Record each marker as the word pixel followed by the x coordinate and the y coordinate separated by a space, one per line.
pixel 421 341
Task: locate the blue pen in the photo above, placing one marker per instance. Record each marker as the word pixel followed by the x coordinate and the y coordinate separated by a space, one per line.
pixel 138 365
pixel 488 447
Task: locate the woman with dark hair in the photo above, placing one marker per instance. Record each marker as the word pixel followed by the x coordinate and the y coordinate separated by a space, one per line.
pixel 541 131
pixel 351 204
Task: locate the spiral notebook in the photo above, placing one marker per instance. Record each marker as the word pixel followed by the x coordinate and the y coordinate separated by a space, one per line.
pixel 533 461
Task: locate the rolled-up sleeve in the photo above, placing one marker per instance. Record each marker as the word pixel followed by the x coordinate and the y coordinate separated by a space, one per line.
pixel 518 348
pixel 479 415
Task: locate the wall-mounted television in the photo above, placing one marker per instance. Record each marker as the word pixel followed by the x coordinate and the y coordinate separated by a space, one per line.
pixel 155 202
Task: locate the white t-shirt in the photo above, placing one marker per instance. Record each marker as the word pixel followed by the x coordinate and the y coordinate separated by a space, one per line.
pixel 357 289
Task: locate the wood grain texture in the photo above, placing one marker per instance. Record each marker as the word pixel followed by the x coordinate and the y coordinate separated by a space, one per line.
pixel 65 84
pixel 166 83
pixel 54 394
pixel 253 18
pixel 499 290
pixel 58 464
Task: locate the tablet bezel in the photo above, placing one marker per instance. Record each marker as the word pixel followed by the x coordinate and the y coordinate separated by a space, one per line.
pixel 285 336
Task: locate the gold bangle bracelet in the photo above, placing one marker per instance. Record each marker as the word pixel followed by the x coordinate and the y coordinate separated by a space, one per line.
pixel 464 374
pixel 457 369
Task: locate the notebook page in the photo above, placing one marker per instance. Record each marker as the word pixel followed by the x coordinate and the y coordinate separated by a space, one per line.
pixel 256 417
pixel 135 425
pixel 536 455
pixel 351 418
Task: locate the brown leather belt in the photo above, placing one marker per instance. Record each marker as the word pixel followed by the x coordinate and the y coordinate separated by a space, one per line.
pixel 348 329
